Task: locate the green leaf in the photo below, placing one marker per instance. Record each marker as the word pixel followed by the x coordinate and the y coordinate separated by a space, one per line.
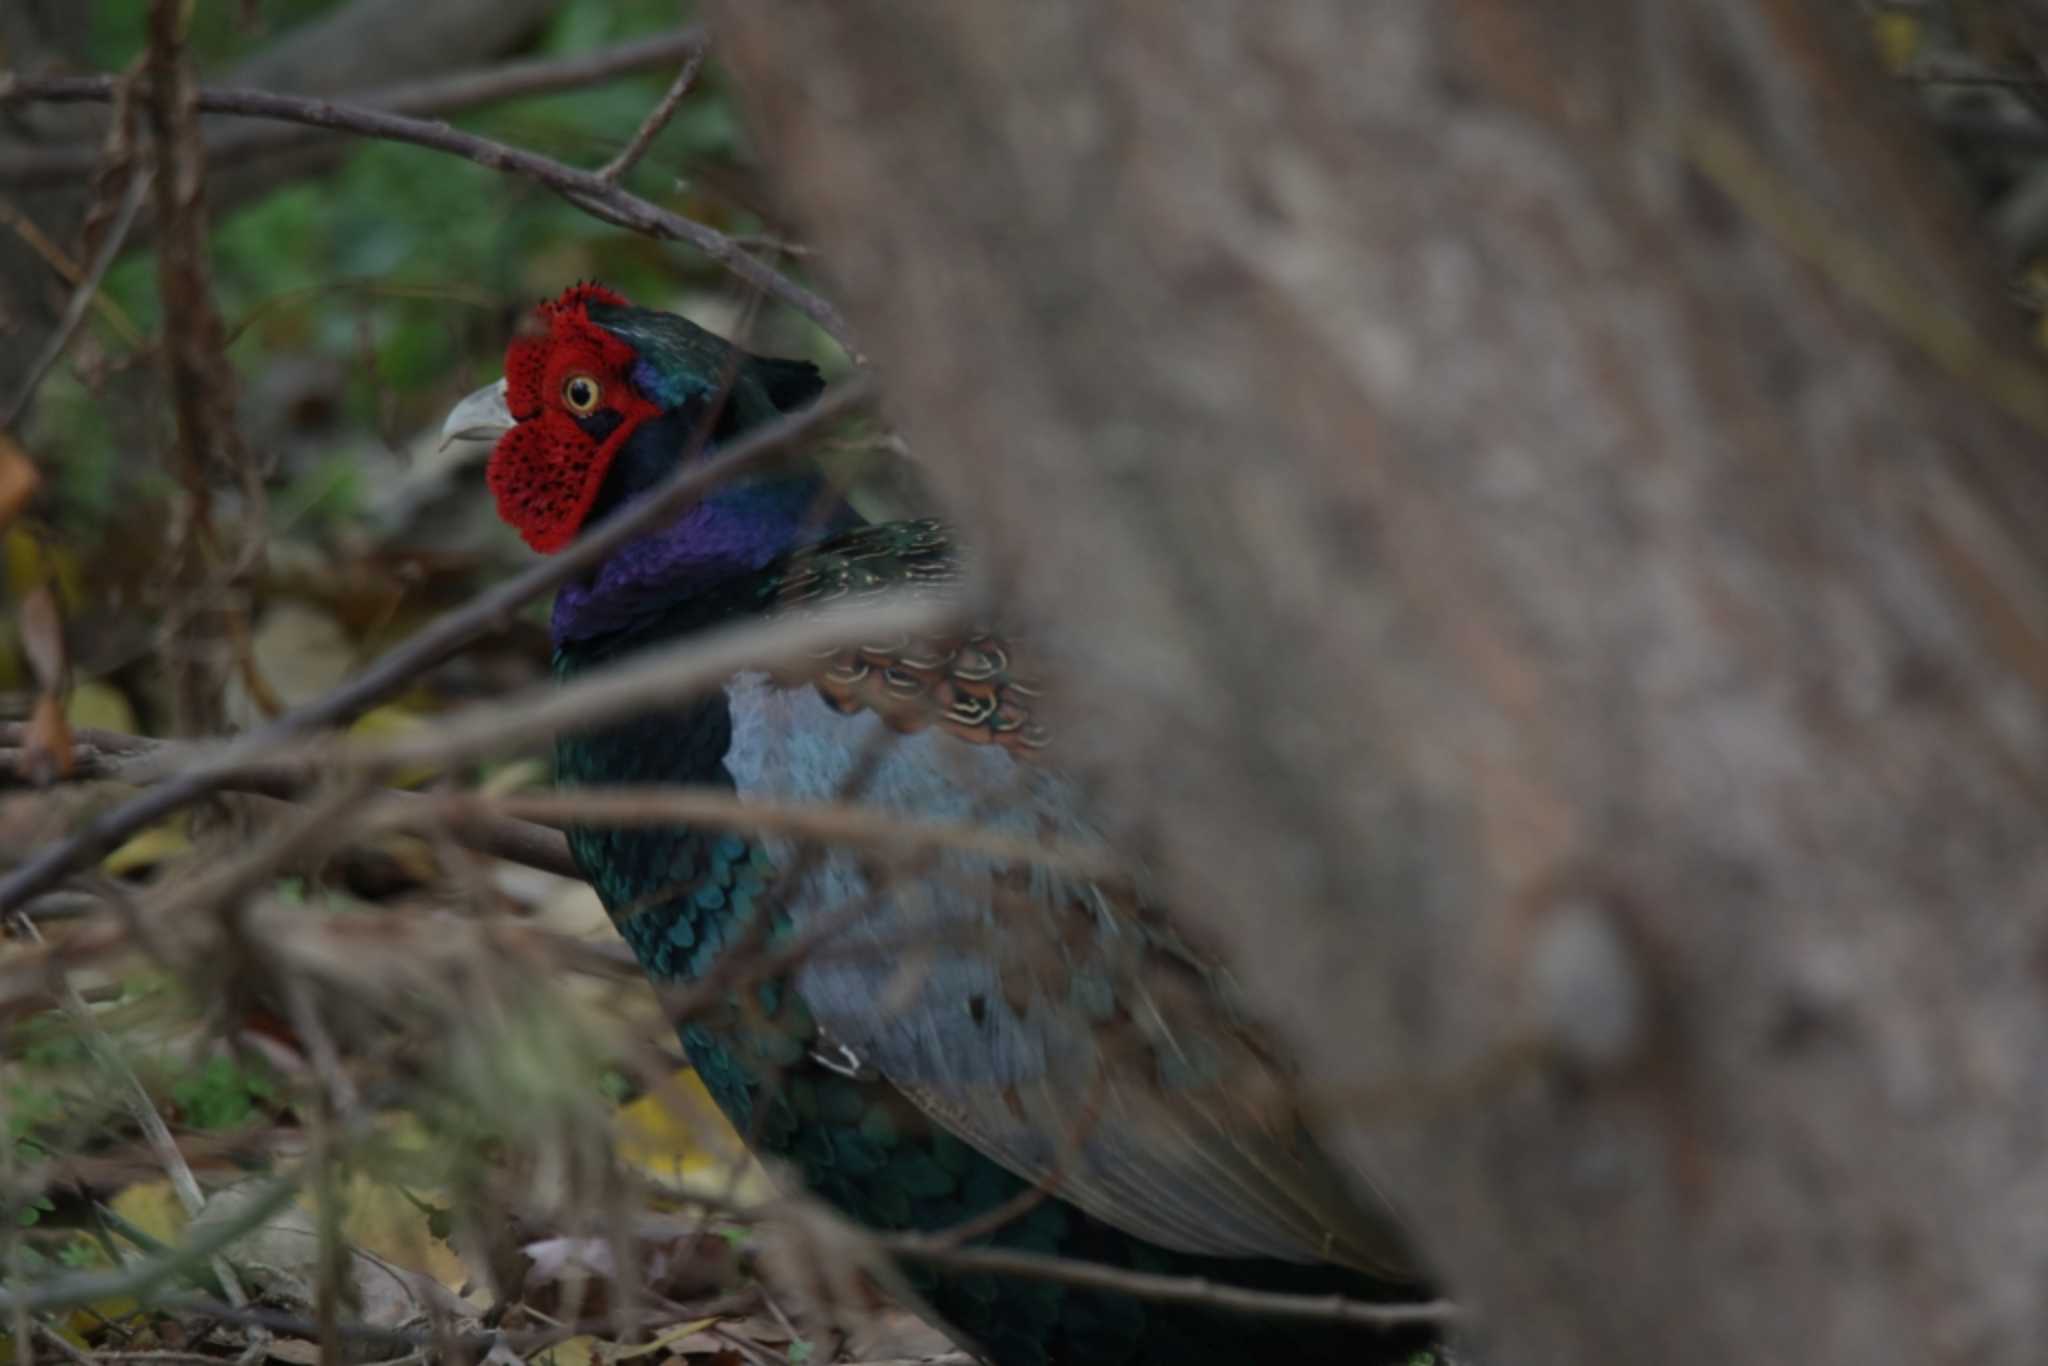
pixel 221 1094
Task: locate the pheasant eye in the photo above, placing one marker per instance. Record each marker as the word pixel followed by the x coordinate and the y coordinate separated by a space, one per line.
pixel 580 394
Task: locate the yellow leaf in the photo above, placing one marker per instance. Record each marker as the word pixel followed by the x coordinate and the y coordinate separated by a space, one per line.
pixel 578 1351
pixel 379 1219
pixel 158 844
pixel 153 1207
pixel 678 1138
pixel 102 706
pixel 413 854
pixel 1898 38
pixel 393 722
pixel 79 1322
pixel 31 562
pixel 514 777
pixel 78 1326
pixel 675 1334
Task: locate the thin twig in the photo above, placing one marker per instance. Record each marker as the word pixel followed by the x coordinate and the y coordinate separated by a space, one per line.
pixel 1166 1289
pixel 650 678
pixel 138 1278
pixel 40 167
pixel 36 240
pixel 656 120
pixel 310 833
pixel 199 381
pixel 298 1325
pixel 1997 79
pixel 1030 1197
pixel 143 1111
pixel 81 298
pixel 53 1338
pixel 755 959
pixel 140 761
pixel 320 1048
pixel 430 646
pixel 588 190
pixel 716 808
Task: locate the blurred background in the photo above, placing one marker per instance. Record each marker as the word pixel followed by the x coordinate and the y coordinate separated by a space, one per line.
pixel 363 287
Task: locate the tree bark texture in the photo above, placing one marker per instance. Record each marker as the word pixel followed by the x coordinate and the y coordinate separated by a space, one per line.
pixel 1544 508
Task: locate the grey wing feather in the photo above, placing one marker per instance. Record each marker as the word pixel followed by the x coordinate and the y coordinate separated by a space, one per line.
pixel 1069 1040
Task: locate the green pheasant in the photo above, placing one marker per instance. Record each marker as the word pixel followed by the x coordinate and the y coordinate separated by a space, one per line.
pixel 980 1030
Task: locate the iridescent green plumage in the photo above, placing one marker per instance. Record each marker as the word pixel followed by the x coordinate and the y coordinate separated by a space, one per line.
pixel 681 897
pixel 1069 1038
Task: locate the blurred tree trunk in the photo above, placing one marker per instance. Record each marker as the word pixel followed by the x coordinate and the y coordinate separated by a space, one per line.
pixel 1544 507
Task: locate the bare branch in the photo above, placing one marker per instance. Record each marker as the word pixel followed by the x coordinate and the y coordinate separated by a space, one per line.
pixel 1193 1290
pixel 137 1279
pixel 112 756
pixel 525 828
pixel 656 120
pixel 37 168
pixel 194 353
pixel 305 836
pixel 144 1112
pixel 447 634
pixel 648 679
pixel 588 190
pixel 515 841
pixel 81 299
pixel 862 826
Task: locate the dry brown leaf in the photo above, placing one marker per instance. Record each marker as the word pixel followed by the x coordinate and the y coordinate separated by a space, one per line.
pixel 46 742
pixel 297 652
pixel 825 1271
pixel 41 628
pixel 18 479
pixel 894 1334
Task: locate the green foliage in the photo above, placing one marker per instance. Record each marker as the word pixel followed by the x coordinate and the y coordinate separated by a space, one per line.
pixel 29 1109
pixel 398 271
pixel 221 1093
pixel 47 1042
pixel 30 1214
pixel 218 34
pixel 615 1086
pixel 78 1255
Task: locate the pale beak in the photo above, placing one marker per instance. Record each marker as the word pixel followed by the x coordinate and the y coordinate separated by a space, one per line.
pixel 483 416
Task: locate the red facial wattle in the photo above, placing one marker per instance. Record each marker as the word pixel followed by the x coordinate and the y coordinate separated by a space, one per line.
pixel 547 470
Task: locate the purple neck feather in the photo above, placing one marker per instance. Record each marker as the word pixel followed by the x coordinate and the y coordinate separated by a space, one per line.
pixel 732 532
